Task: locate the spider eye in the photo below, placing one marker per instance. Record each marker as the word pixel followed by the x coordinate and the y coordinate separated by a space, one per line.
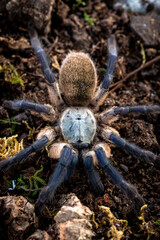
pixel 78 78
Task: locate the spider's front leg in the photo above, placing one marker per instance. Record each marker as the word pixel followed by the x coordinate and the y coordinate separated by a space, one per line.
pixel 45 136
pixel 52 84
pixel 110 135
pixel 93 176
pixel 102 155
pixel 67 162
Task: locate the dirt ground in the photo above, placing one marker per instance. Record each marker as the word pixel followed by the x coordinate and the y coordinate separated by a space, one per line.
pixel 86 28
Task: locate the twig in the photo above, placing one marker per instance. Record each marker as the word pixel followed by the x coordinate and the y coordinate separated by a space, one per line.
pixel 29 190
pixel 119 83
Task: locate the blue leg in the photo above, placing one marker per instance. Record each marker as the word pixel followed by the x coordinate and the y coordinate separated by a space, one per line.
pixel 117 179
pixel 120 111
pixel 93 175
pixel 136 151
pixel 42 58
pixel 66 164
pixel 8 163
pixel 26 105
pixel 21 116
pixel 53 87
pixel 112 58
pixel 71 167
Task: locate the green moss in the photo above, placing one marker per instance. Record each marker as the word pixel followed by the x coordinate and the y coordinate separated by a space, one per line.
pixel 88 19
pixel 11 75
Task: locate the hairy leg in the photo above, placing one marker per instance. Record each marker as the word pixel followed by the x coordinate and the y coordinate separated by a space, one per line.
pixel 47 112
pixel 92 173
pixel 117 179
pixel 131 148
pixel 113 113
pixel 53 87
pixel 36 146
pixel 67 161
pixel 101 93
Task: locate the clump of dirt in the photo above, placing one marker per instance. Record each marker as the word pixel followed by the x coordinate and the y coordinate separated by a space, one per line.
pixel 85 26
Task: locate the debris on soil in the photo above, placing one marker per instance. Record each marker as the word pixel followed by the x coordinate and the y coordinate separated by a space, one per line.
pixel 18 216
pixel 147 28
pixel 11 44
pixel 39 235
pixel 10 146
pixel 137 6
pixel 117 226
pixel 37 13
pixel 73 220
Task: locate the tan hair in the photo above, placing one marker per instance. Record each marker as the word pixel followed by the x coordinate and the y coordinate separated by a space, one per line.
pixel 78 78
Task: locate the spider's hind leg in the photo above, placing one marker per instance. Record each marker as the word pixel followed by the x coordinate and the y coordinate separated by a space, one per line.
pixel 130 191
pixel 101 93
pixel 52 84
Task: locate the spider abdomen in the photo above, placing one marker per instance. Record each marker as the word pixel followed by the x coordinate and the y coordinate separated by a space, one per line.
pixel 78 79
pixel 78 125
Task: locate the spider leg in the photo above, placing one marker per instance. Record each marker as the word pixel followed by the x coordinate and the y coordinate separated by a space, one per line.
pixel 47 112
pixel 53 88
pixel 117 179
pixel 115 112
pixel 20 117
pixel 36 146
pixel 8 163
pixel 92 173
pixel 71 167
pixel 131 148
pixel 101 93
pixel 66 165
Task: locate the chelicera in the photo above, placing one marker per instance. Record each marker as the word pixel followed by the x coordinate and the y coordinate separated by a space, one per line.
pixel 78 126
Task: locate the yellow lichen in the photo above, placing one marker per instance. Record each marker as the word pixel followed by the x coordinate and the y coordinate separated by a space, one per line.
pixel 117 226
pixel 10 146
pixel 146 227
pixel 94 221
pixel 141 217
pixel 32 131
pixel 56 63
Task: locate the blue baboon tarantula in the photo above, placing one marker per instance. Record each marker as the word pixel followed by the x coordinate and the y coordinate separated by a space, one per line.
pixel 77 126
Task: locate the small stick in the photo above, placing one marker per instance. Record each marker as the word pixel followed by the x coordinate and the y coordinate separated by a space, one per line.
pixel 119 83
pixel 29 190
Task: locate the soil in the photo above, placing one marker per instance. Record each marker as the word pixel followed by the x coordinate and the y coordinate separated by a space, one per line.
pixel 70 30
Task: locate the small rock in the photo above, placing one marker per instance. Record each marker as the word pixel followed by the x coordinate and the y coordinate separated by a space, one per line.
pixel 18 216
pixel 73 220
pixel 38 13
pixel 124 167
pixel 147 27
pixel 39 235
pixel 42 85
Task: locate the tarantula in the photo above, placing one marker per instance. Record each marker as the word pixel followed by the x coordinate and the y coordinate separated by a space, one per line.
pixel 78 125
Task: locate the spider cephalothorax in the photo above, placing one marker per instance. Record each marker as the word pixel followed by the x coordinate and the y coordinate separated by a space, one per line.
pixel 76 126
